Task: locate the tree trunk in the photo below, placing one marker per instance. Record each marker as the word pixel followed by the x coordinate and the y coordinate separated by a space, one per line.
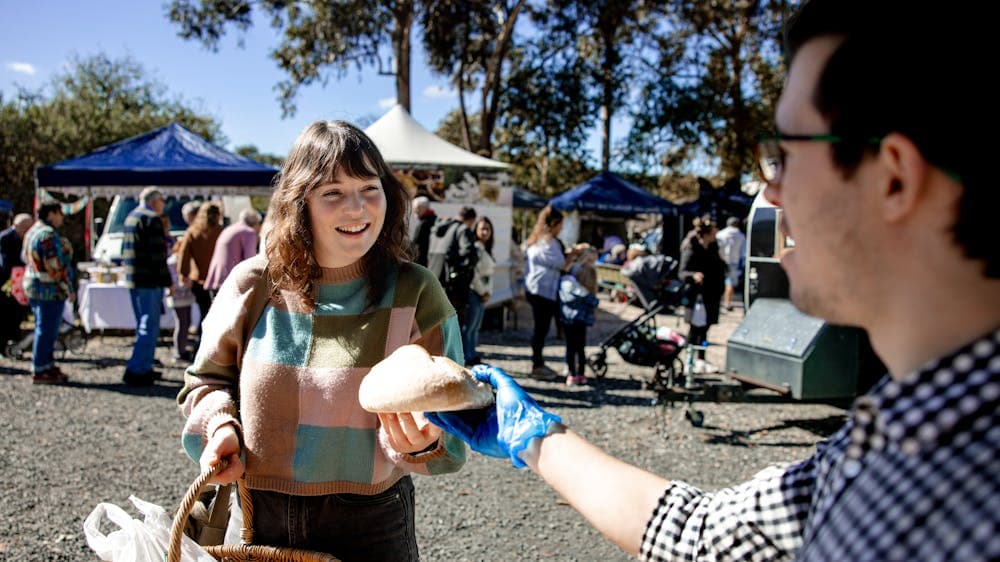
pixel 403 14
pixel 491 83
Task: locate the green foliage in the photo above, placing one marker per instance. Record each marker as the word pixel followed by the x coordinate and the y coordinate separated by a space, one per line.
pixel 470 43
pixel 96 102
pixel 319 36
pixel 252 152
pixel 712 89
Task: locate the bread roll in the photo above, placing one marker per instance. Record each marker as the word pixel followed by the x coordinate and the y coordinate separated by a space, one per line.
pixel 411 380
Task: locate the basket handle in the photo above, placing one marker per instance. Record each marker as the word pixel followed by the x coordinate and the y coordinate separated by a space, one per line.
pixel 187 504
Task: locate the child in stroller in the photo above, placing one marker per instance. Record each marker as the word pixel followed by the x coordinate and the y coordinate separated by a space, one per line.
pixel 641 342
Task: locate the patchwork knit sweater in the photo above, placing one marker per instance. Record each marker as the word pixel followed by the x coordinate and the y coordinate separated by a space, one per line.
pixel 304 431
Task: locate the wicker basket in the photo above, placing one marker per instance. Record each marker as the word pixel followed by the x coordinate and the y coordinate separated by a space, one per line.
pixel 236 552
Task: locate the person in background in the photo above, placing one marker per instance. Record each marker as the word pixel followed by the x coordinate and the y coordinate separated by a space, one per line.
pixel 421 223
pixel 451 256
pixel 703 272
pixel 49 282
pixel 190 211
pixel 887 189
pixel 195 253
pixel 12 313
pixel 144 252
pixel 236 243
pixel 546 261
pixel 481 289
pixel 614 256
pixel 179 300
pixel 732 247
pixel 577 303
pixel 323 473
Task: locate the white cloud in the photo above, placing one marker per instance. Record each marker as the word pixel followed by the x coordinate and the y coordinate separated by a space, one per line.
pixel 438 92
pixel 21 68
pixel 386 103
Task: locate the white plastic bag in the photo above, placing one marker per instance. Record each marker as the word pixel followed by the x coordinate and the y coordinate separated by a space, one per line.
pixel 699 316
pixel 137 541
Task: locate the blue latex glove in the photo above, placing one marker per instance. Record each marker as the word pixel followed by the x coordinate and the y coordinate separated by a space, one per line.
pixel 503 430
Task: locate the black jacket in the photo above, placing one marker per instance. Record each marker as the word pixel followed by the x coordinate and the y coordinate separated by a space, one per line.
pixel 696 257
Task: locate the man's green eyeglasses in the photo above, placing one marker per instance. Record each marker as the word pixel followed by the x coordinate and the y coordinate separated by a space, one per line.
pixel 771 157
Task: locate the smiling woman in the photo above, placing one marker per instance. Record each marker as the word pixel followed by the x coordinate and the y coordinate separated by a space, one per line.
pixel 324 474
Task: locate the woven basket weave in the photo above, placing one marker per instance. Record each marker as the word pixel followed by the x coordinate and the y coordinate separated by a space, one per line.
pixel 236 552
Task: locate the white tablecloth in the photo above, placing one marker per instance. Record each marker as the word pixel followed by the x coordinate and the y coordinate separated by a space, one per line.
pixel 105 306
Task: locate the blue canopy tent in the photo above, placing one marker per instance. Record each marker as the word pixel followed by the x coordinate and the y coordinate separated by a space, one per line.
pixel 608 193
pixel 524 199
pixel 171 158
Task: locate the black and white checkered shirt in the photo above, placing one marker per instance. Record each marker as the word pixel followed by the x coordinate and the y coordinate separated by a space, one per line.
pixel 913 475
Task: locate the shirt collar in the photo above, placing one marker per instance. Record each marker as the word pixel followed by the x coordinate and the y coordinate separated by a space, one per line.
pixel 928 406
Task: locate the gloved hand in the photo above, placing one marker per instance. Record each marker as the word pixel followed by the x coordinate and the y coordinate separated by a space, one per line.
pixel 504 429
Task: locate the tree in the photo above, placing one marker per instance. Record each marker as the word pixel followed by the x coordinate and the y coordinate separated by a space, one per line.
pixel 545 116
pixel 469 41
pixel 97 101
pixel 606 33
pixel 713 88
pixel 318 35
pixel 251 151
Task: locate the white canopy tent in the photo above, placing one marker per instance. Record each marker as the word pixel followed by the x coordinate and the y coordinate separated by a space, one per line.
pixel 406 143
pixel 480 183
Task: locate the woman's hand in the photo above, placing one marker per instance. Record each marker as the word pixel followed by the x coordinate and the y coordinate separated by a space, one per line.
pixel 409 432
pixel 698 277
pixel 224 444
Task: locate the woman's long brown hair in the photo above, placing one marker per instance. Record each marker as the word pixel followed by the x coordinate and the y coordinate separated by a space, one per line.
pixel 322 151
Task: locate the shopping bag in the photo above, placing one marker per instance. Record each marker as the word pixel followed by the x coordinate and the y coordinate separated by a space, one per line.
pixel 699 316
pixel 17 285
pixel 136 540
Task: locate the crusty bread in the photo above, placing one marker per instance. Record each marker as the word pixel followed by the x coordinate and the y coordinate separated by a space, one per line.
pixel 411 380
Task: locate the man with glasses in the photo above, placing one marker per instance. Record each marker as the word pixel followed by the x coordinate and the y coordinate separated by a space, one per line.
pixel 880 167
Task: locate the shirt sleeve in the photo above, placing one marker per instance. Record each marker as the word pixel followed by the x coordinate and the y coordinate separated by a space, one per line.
pixel 762 519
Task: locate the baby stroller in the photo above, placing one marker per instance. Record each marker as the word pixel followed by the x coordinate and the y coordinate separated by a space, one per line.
pixel 641 342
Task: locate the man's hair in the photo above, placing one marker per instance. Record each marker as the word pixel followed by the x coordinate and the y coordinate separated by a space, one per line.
pixel 149 194
pixel 45 208
pixel 915 69
pixel 190 208
pixel 322 151
pixel 733 221
pixel 21 219
pixel 250 217
pixel 421 203
pixel 467 213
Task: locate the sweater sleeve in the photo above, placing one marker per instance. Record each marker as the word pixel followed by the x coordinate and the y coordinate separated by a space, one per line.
pixel 211 381
pixel 436 330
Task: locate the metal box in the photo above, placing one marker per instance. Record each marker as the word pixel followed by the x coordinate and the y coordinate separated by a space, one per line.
pixel 778 347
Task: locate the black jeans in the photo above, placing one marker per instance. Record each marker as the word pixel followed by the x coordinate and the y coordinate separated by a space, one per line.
pixel 348 526
pixel 204 300
pixel 543 310
pixel 576 341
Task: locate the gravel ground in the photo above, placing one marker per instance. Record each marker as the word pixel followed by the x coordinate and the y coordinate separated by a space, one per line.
pixel 68 448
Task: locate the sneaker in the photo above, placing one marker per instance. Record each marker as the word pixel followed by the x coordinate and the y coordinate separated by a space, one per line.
pixel 542 372
pixel 133 378
pixel 570 380
pixel 49 376
pixel 580 380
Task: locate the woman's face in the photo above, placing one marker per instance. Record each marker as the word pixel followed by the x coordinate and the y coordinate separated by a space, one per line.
pixel 484 232
pixel 346 217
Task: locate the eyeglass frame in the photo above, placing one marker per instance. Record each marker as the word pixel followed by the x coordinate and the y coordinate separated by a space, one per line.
pixel 778 138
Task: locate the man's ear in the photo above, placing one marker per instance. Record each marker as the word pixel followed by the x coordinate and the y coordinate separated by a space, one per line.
pixel 906 176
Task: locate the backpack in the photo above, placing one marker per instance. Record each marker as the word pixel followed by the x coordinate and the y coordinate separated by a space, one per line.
pixel 452 257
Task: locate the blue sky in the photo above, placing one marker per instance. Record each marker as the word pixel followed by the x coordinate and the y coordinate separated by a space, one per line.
pixel 235 84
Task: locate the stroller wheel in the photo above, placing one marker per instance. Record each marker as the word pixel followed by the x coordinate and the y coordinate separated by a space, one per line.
pixel 696 417
pixel 598 364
